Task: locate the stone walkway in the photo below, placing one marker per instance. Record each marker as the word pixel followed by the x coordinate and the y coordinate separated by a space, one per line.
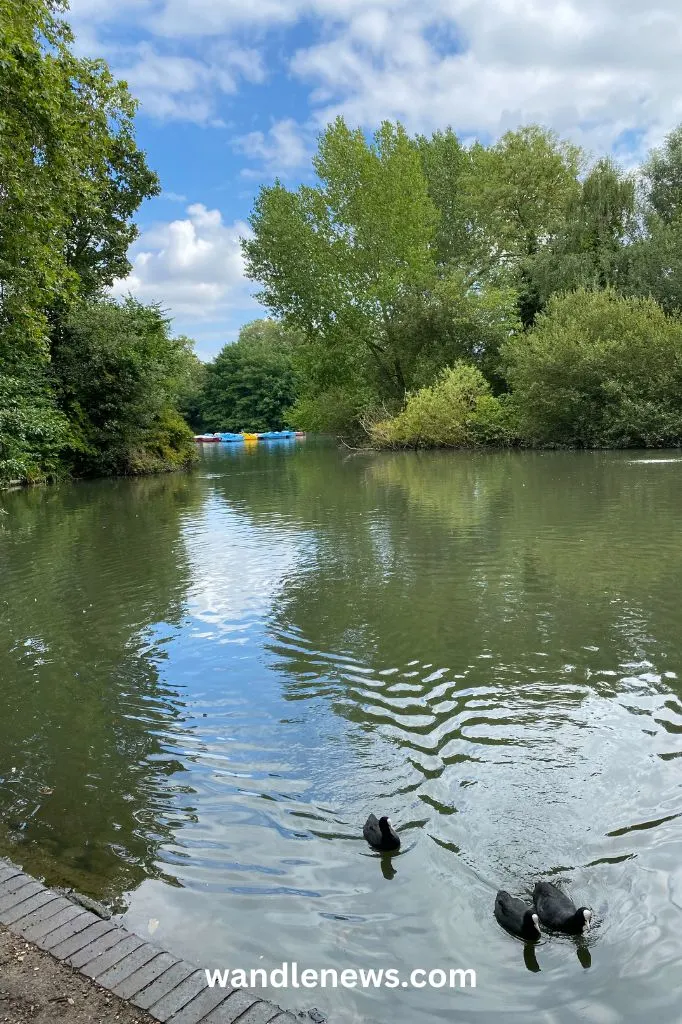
pixel 169 989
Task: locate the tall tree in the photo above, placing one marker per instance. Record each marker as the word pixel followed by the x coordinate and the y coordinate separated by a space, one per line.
pixel 445 163
pixel 519 191
pixel 71 177
pixel 335 259
pixel 588 248
pixel 654 263
pixel 662 179
pixel 357 264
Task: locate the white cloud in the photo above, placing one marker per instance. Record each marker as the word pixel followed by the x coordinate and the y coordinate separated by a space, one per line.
pixel 192 266
pixel 592 69
pixel 180 19
pixel 280 151
pixel 185 88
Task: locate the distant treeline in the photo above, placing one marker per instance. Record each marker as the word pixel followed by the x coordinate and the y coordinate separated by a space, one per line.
pixel 438 294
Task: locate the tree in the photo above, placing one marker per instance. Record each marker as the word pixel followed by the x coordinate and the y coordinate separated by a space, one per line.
pixel 662 179
pixel 519 190
pixel 335 259
pixel 191 386
pixel 588 248
pixel 652 265
pixel 252 383
pixel 118 374
pixel 518 194
pixel 358 265
pixel 598 370
pixel 445 164
pixel 71 177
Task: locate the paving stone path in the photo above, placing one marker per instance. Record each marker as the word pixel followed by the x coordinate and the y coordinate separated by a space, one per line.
pixel 169 989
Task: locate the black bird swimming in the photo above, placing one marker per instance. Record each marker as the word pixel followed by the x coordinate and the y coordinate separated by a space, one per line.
pixel 558 912
pixel 516 917
pixel 380 834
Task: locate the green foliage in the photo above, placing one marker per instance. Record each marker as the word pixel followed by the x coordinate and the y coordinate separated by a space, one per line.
pixel 118 374
pixel 33 431
pixel 598 370
pixel 70 174
pixel 252 383
pixel 662 175
pixel 519 190
pixel 457 411
pixel 454 322
pixel 71 178
pixel 588 250
pixel 409 256
pixel 190 387
pixel 336 259
pixel 445 163
pixel 652 265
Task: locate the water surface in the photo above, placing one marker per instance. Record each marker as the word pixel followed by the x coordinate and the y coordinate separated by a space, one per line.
pixel 207 682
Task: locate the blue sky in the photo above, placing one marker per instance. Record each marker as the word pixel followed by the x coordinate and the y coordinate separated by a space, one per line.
pixel 234 93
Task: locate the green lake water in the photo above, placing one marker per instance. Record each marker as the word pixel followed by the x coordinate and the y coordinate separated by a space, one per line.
pixel 208 681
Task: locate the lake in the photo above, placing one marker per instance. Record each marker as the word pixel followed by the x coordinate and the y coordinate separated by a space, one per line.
pixel 208 681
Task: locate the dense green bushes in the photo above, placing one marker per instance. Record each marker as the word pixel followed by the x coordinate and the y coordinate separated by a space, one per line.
pixel 117 373
pixel 598 370
pixel 33 430
pixel 458 411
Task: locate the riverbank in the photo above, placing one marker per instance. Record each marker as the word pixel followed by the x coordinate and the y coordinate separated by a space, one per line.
pixel 58 959
pixel 36 988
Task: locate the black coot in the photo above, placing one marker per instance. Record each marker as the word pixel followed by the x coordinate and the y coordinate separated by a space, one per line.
pixel 558 912
pixel 380 834
pixel 516 916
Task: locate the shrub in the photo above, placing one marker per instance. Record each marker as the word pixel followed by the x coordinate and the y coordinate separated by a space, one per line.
pixel 598 370
pixel 33 432
pixel 118 374
pixel 457 411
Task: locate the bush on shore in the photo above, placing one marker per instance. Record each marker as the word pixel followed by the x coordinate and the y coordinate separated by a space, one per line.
pixel 598 370
pixel 118 374
pixel 457 411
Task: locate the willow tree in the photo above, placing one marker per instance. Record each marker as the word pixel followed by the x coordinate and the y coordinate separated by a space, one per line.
pixel 589 249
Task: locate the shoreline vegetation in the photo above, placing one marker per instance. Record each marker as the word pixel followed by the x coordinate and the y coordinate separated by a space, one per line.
pixel 516 294
pixel 89 386
pixel 421 293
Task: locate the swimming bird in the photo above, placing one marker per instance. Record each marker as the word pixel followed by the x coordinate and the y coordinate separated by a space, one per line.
pixel 380 834
pixel 516 917
pixel 558 912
